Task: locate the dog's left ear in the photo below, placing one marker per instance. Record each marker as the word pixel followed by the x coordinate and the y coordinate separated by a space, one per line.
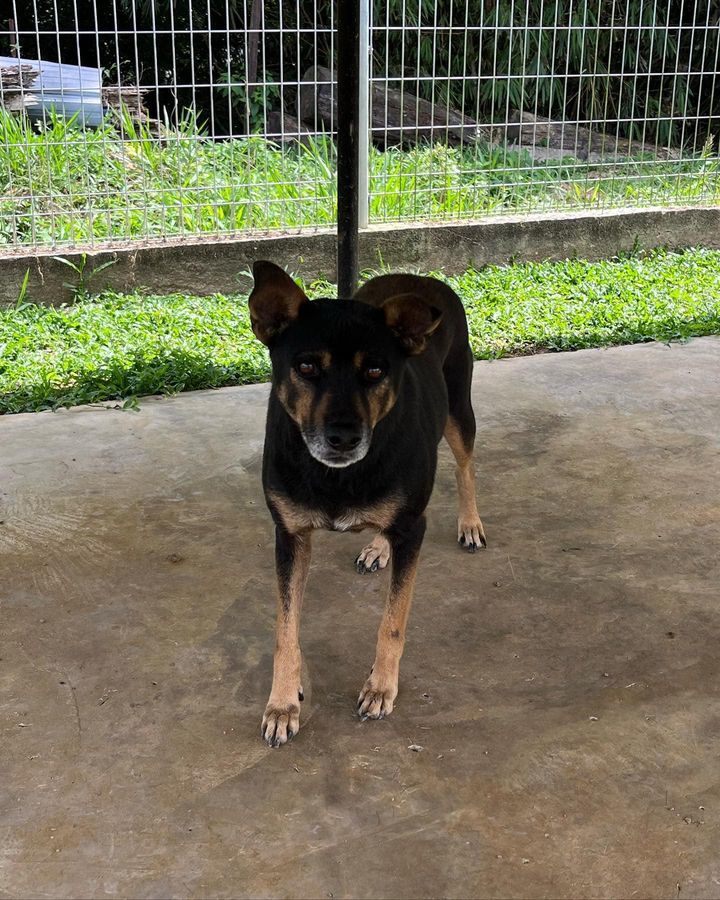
pixel 275 301
pixel 412 320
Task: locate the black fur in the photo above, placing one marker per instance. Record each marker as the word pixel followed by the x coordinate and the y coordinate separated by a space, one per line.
pixel 403 453
pixel 363 390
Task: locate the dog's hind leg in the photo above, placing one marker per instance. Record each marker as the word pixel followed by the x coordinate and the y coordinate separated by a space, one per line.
pixel 471 534
pixel 375 556
pixel 380 690
pixel 282 714
pixel 460 435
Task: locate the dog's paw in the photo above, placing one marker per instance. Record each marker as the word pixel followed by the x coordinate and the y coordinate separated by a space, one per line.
pixel 280 723
pixel 373 557
pixel 471 535
pixel 376 699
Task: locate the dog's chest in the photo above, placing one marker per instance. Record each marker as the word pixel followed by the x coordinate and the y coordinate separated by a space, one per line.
pixel 352 520
pixel 297 517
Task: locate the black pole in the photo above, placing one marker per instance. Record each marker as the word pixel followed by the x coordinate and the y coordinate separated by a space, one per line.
pixel 348 105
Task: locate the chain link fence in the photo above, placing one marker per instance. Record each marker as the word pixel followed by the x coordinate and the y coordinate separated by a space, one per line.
pixel 142 120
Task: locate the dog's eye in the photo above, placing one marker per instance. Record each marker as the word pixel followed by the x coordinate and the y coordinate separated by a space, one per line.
pixel 308 369
pixel 373 373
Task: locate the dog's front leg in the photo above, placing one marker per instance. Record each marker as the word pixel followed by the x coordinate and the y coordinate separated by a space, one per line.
pixel 380 690
pixel 282 713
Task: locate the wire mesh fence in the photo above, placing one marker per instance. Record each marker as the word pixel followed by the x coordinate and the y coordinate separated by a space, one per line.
pixel 156 119
pixel 545 105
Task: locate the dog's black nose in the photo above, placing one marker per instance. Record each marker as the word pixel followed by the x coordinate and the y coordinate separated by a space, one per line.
pixel 342 436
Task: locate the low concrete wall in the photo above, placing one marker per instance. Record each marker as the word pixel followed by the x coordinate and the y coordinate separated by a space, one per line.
pixel 207 266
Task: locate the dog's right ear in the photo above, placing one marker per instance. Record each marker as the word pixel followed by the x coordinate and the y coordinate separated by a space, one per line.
pixel 275 301
pixel 411 320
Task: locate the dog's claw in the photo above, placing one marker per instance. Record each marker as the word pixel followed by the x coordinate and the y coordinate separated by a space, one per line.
pixel 373 557
pixel 363 569
pixel 375 702
pixel 280 724
pixel 471 536
pixel 472 546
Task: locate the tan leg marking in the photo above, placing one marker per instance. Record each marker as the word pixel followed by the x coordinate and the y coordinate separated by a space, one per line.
pixel 380 690
pixel 282 713
pixel 375 556
pixel 470 529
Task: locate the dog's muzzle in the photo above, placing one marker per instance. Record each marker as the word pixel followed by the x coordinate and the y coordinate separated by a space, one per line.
pixel 338 444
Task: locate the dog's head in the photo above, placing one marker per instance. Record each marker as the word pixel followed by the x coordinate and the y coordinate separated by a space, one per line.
pixel 337 364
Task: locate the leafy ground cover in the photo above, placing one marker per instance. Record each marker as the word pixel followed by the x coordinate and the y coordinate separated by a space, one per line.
pixel 120 347
pixel 64 185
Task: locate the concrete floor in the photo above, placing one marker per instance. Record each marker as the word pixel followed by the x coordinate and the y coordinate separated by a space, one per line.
pixel 564 685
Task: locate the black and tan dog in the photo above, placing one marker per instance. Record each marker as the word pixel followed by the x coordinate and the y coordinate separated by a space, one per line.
pixel 362 392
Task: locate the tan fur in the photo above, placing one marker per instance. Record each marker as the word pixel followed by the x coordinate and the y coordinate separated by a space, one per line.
pixel 296 518
pixel 377 551
pixel 301 408
pixel 380 690
pixel 470 528
pixel 381 401
pixel 300 403
pixel 378 400
pixel 282 714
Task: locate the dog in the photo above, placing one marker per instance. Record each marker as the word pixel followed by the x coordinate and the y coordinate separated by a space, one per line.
pixel 362 392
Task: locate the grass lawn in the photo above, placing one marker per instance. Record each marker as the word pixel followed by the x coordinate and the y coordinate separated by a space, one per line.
pixel 119 347
pixel 64 185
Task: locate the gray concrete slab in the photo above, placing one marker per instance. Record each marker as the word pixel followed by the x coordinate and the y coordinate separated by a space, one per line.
pixel 564 684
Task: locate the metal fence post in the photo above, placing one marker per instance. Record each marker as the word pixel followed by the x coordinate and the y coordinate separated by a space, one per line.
pixel 364 115
pixel 348 104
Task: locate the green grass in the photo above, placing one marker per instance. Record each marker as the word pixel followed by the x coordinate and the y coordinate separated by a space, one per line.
pixel 61 184
pixel 114 347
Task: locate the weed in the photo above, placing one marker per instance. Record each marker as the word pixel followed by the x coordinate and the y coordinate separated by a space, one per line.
pixel 81 287
pixel 20 303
